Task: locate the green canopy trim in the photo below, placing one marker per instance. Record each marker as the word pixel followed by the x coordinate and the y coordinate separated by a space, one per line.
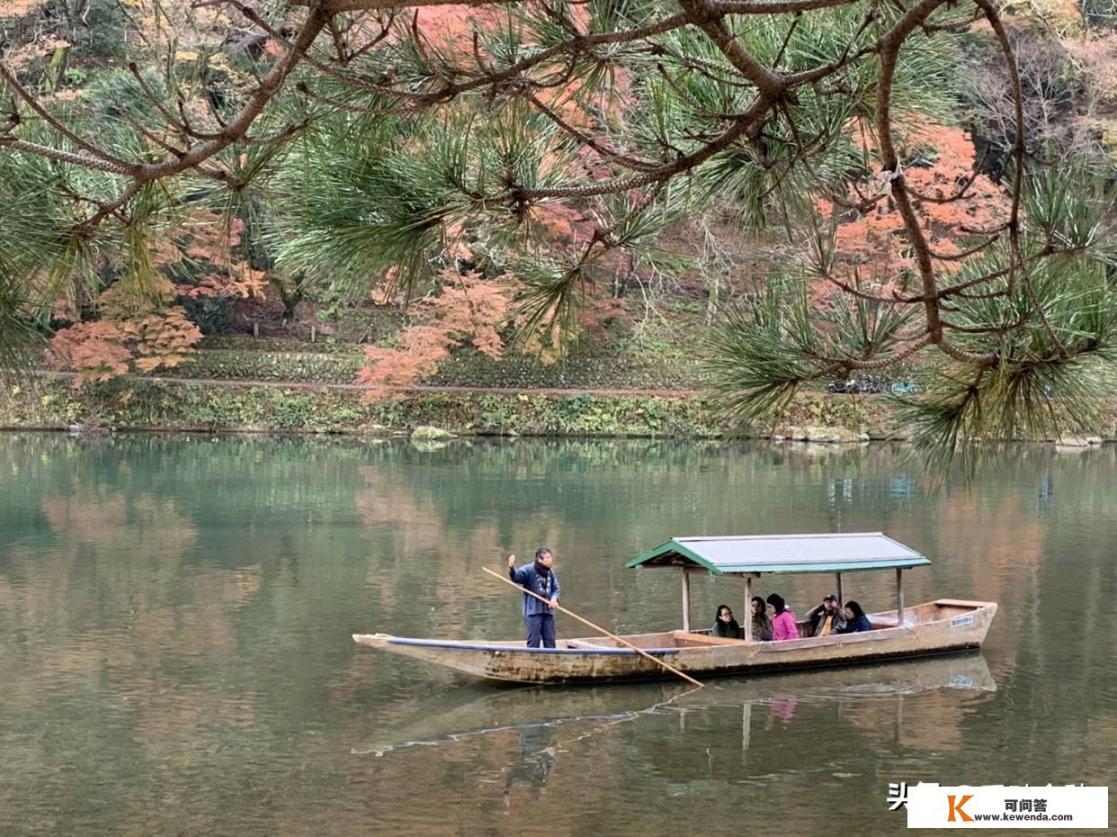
pixel 818 553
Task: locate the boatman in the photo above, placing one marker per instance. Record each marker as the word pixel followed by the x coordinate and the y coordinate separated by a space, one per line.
pixel 541 579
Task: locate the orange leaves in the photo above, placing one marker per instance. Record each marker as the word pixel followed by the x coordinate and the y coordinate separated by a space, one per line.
pixel 161 340
pixel 96 351
pixel 247 283
pixel 949 146
pixel 951 152
pixel 126 297
pixel 105 349
pixel 388 369
pixel 941 164
pixel 450 27
pixel 457 247
pixel 244 284
pixel 557 221
pixel 204 247
pixel 953 204
pixel 139 327
pixel 19 8
pixel 469 309
pixel 209 238
pixel 18 55
pixel 22 56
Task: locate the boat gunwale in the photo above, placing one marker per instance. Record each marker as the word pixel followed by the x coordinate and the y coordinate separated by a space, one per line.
pixel 480 645
pixel 882 633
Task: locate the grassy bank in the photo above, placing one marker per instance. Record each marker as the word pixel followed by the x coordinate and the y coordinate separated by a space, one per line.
pixel 231 406
pixel 605 367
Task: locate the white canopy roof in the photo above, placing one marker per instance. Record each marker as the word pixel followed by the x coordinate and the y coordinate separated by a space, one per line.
pixel 810 553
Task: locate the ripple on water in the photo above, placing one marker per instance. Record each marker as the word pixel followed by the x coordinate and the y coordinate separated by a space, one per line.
pixel 175 652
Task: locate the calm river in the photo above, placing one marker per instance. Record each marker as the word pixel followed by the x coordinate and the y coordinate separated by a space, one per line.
pixel 175 658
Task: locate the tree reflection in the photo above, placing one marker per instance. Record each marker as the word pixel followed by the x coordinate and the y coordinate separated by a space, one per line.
pixel 176 612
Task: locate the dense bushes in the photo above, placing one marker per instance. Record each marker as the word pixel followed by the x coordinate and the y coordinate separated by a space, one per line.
pixel 171 405
pixel 338 364
pixel 302 367
pixel 148 404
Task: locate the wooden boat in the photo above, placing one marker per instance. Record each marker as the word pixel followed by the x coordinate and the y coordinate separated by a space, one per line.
pixel 935 627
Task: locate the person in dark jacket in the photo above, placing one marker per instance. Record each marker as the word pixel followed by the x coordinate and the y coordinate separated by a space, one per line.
pixel 827 618
pixel 761 624
pixel 856 620
pixel 541 579
pixel 725 625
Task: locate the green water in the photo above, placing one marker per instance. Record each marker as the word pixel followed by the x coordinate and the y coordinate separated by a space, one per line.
pixel 175 657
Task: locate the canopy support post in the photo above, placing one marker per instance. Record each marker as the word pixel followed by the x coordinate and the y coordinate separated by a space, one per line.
pixel 838 578
pixel 899 597
pixel 686 600
pixel 746 614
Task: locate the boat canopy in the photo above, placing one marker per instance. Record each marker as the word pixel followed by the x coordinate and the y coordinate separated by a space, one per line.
pixel 748 554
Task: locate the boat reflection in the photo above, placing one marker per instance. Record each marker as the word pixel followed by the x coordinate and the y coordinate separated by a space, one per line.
pixel 536 711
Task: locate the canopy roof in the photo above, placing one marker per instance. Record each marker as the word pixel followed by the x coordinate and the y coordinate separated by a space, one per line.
pixel 783 554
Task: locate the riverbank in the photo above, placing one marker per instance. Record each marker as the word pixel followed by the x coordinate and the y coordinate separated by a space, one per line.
pixel 50 402
pixel 180 612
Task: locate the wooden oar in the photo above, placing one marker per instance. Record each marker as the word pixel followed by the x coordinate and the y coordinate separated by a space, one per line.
pixel 597 628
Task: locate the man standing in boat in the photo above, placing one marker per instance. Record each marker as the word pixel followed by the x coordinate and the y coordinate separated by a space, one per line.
pixel 541 579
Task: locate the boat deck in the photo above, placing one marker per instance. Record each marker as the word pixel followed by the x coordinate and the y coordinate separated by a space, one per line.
pixel 922 614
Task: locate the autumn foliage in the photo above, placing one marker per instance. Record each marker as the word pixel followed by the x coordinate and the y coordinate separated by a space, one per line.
pixel 474 309
pixel 468 309
pixel 137 324
pixel 105 349
pixel 955 203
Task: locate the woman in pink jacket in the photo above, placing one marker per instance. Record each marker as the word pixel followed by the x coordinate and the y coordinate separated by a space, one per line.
pixel 783 623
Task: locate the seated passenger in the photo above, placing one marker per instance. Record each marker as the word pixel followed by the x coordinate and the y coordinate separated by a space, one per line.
pixel 827 618
pixel 761 624
pixel 725 625
pixel 783 622
pixel 856 620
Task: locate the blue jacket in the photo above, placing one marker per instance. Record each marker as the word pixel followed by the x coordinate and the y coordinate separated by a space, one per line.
pixel 546 586
pixel 861 623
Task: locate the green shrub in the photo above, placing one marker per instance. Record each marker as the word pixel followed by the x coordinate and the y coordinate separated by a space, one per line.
pixel 210 314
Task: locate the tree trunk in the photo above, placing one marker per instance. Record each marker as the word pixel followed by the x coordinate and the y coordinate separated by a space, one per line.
pixel 289 297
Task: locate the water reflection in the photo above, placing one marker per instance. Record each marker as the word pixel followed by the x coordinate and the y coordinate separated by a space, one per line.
pixel 536 761
pixel 453 717
pixel 175 614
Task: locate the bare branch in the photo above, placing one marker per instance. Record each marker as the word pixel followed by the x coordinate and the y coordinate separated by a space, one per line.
pixel 890 45
pixel 590 142
pixel 739 7
pixel 730 135
pixel 64 156
pixel 119 164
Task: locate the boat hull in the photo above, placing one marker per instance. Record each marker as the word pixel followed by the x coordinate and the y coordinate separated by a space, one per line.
pixel 939 627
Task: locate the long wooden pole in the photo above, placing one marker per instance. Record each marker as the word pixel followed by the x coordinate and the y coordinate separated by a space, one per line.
pixel 597 628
